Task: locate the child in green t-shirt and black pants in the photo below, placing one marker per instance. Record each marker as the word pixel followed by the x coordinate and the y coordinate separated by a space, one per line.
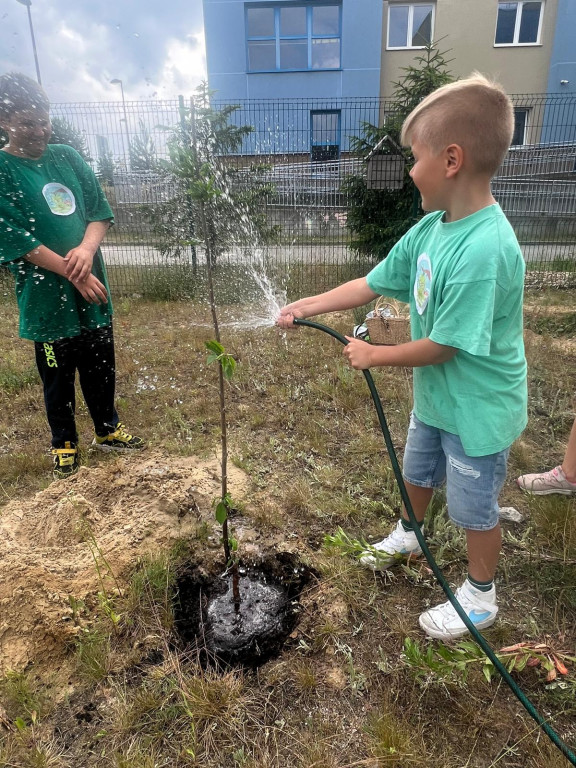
pixel 53 217
pixel 462 272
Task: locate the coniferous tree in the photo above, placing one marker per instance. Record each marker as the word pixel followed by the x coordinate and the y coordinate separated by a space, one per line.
pixel 377 218
pixel 143 155
pixel 202 157
pixel 63 132
pixel 105 169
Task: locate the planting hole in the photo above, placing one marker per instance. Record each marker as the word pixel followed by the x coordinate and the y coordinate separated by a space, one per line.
pixel 251 632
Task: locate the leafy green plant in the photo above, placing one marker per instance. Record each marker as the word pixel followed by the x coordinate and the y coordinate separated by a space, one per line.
pixel 21 698
pixel 356 548
pixel 201 172
pixel 377 218
pixel 444 663
pixel 93 653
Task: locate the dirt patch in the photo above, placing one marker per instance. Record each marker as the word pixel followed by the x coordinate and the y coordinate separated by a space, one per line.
pixel 119 510
pixel 255 629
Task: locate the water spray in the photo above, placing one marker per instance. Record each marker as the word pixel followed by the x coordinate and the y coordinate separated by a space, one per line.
pixel 478 638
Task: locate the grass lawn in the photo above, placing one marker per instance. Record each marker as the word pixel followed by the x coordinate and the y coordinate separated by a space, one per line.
pixel 357 683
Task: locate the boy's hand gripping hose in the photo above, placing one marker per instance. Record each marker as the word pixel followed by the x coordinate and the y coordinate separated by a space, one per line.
pixel 508 679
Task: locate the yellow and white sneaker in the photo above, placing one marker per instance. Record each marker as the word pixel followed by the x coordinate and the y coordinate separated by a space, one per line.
pixel 119 440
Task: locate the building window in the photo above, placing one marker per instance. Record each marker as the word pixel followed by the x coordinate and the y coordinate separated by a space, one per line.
pixel 519 23
pixel 520 126
pixel 410 25
pixel 324 135
pixel 293 37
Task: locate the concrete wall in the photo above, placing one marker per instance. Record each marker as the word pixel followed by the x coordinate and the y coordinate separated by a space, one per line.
pixel 466 30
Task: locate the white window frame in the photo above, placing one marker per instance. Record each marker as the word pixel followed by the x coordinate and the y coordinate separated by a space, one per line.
pixel 519 8
pixel 410 30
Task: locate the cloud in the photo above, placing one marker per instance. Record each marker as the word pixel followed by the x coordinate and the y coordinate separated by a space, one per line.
pixel 155 51
pixel 184 65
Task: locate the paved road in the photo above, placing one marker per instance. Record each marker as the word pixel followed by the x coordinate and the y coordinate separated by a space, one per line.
pixel 310 254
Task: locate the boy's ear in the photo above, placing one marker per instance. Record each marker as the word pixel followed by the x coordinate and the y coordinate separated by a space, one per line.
pixel 454 159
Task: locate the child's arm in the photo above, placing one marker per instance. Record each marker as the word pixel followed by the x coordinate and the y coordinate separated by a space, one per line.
pixel 413 354
pixel 91 288
pixel 346 296
pixel 79 260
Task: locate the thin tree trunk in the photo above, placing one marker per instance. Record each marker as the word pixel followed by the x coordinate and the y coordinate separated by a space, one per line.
pixel 223 427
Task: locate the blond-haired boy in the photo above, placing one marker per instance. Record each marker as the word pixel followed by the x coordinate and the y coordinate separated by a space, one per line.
pixel 461 270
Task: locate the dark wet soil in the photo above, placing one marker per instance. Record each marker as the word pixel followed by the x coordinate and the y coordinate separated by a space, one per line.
pixel 252 631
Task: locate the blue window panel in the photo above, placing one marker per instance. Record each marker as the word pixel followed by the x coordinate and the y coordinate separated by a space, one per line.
pixel 518 23
pixel 293 22
pixel 260 22
pixel 294 54
pixel 520 121
pixel 422 25
pixel 506 23
pixel 326 20
pixel 293 38
pixel 325 135
pixel 325 53
pixel 529 23
pixel 398 26
pixel 261 55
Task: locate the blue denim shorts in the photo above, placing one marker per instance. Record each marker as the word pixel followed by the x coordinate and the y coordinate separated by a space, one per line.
pixel 434 457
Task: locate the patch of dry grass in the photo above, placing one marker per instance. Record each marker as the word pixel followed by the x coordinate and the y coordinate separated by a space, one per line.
pixel 303 427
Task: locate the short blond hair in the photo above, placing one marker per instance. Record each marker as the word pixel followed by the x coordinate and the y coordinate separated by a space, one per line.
pixel 474 113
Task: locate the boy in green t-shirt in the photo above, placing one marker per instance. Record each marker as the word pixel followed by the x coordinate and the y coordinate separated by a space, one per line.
pixel 461 270
pixel 53 217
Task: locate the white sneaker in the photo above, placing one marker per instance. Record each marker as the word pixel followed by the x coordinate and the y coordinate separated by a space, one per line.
pixel 396 547
pixel 443 623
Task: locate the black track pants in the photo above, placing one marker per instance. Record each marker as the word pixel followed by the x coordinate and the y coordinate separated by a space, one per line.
pixel 92 355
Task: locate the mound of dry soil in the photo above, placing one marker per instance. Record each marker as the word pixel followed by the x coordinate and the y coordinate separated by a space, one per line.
pixel 117 511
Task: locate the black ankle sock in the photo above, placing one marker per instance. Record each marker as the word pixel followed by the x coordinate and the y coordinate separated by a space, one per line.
pixel 483 586
pixel 407 525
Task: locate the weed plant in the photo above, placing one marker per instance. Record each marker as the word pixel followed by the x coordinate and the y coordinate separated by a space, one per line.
pixel 303 428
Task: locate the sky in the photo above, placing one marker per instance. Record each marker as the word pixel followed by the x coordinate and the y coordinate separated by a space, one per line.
pixel 156 47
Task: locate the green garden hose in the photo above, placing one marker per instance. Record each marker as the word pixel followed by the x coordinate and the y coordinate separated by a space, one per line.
pixel 508 679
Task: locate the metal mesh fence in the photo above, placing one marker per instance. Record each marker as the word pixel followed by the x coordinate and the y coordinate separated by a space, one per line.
pixel 301 150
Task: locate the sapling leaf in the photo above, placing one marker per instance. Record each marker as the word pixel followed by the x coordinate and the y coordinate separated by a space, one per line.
pixel 212 357
pixel 228 366
pixel 214 346
pixel 221 512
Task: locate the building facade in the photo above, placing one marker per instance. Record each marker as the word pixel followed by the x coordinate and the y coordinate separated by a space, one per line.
pixel 262 49
pixel 509 41
pixel 323 53
pixel 328 52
